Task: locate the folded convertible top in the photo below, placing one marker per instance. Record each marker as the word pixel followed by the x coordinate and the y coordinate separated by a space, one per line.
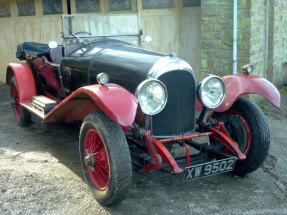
pixel 32 49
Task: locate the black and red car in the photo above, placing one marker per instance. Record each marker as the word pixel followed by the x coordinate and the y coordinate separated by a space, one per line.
pixel 138 106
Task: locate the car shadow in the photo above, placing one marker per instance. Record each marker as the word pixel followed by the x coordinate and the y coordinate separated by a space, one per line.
pixel 61 140
pixel 58 139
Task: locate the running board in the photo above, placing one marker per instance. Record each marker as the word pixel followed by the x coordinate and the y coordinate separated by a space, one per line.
pixel 40 106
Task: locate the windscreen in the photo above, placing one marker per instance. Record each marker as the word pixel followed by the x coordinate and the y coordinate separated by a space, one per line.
pixel 107 25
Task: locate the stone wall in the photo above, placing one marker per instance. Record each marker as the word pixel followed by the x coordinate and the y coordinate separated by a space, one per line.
pixel 277 58
pixel 216 44
pixel 257 36
pixel 217 35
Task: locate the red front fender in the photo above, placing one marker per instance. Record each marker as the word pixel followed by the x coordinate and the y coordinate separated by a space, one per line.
pixel 119 104
pixel 237 85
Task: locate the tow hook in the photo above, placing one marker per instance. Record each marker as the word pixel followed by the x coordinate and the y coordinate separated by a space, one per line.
pixel 89 161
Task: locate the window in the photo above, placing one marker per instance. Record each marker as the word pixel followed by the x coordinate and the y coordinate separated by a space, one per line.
pixel 26 7
pixel 191 3
pixel 152 4
pixel 83 6
pixel 5 9
pixel 120 5
pixel 52 7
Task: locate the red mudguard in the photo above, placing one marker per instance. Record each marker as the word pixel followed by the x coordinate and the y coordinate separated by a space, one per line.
pixel 25 80
pixel 237 85
pixel 118 103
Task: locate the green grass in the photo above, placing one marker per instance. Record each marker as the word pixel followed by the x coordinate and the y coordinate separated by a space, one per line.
pixel 283 90
pixel 261 103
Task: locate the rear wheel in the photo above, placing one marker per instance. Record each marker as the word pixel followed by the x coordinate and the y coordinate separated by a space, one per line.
pixel 247 126
pixel 22 116
pixel 105 158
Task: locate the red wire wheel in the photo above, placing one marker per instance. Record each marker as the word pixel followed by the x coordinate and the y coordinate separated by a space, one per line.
pixel 105 158
pixel 247 126
pixel 99 166
pixel 245 145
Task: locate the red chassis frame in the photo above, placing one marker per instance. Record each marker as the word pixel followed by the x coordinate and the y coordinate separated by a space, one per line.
pixel 157 150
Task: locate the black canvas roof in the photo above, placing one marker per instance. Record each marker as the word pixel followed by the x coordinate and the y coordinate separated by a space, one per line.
pixel 32 49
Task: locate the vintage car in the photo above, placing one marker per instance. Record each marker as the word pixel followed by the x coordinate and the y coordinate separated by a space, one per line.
pixel 137 107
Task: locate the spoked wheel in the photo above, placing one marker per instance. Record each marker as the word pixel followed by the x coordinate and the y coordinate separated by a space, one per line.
pixel 22 116
pixel 96 159
pixel 247 126
pixel 105 158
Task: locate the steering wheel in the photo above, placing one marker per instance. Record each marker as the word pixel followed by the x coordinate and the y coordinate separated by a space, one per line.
pixel 83 32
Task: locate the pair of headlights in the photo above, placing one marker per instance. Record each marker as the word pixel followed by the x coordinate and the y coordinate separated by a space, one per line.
pixel 152 94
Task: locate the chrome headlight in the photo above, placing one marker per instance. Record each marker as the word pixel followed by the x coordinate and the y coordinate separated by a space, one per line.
pixel 152 96
pixel 211 91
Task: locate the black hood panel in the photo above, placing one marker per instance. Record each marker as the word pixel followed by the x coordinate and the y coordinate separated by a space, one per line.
pixel 127 65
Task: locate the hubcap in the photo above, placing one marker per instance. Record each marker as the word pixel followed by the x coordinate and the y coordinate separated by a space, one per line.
pixel 96 159
pixel 89 160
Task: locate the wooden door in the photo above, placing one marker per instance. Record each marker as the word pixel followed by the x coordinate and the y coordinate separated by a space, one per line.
pixel 28 20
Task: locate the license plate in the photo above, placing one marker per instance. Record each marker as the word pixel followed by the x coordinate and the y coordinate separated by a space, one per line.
pixel 208 169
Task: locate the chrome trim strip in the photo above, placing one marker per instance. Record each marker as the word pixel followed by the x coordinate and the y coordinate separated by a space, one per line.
pixel 173 136
pixel 168 64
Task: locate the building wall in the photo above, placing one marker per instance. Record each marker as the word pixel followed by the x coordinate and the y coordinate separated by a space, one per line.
pixel 18 29
pixel 170 28
pixel 216 32
pixel 257 36
pixel 217 36
pixel 162 26
pixel 200 35
pixel 277 67
pixel 189 37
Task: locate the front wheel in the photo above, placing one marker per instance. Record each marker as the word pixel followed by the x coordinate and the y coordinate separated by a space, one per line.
pixel 105 158
pixel 247 126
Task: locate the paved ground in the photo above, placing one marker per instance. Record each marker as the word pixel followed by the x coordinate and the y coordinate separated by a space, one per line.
pixel 40 173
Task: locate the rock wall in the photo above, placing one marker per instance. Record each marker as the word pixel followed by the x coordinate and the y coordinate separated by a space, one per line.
pixel 217 35
pixel 216 43
pixel 277 55
pixel 257 36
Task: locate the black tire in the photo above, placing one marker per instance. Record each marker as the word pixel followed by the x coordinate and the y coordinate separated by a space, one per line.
pixel 247 126
pixel 22 116
pixel 98 129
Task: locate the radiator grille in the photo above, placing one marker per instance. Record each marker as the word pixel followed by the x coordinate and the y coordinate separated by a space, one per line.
pixel 178 116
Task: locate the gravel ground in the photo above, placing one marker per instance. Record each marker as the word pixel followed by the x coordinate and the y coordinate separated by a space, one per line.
pixel 40 173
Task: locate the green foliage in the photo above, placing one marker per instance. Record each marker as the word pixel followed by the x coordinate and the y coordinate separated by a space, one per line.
pixel 283 90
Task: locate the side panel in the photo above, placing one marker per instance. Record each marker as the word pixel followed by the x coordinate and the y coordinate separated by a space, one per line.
pixel 237 85
pixel 49 76
pixel 25 80
pixel 119 104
